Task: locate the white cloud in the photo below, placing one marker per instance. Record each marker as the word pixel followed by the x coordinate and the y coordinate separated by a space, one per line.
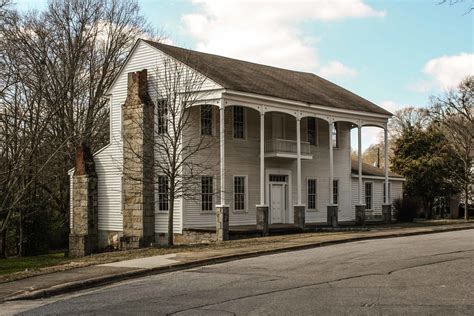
pixel 267 31
pixel 445 72
pixel 336 69
pixel 391 106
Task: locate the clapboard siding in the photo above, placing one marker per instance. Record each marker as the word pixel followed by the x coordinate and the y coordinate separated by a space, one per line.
pixel 242 159
pixel 396 192
pixel 109 161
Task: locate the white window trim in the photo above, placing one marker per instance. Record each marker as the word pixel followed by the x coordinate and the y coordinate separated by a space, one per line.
pixel 245 123
pixel 157 201
pixel 317 194
pixel 213 196
pixel 246 193
pixel 371 197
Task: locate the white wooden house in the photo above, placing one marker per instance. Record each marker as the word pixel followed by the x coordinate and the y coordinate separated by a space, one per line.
pixel 284 140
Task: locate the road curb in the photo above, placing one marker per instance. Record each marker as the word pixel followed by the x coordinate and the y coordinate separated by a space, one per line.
pixel 109 279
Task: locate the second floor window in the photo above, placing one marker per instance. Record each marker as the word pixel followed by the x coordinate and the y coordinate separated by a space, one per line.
pixel 162 114
pixel 312 198
pixel 335 191
pixel 163 187
pixel 312 136
pixel 206 119
pixel 207 193
pixel 239 122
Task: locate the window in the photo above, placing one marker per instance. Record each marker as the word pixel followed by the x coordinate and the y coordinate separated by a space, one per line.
pixel 335 191
pixel 335 135
pixel 162 116
pixel 239 122
pixel 389 192
pixel 312 195
pixel 278 178
pixel 312 131
pixel 239 193
pixel 206 193
pixel 163 203
pixel 368 195
pixel 206 119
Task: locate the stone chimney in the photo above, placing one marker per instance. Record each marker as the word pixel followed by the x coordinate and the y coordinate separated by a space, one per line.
pixel 138 158
pixel 83 239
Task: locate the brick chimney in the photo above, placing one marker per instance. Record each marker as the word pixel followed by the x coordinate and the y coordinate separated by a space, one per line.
pixel 138 158
pixel 83 238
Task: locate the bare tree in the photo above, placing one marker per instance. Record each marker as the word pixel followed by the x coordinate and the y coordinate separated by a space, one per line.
pixel 181 153
pixel 407 119
pixel 55 67
pixel 454 113
pixel 470 7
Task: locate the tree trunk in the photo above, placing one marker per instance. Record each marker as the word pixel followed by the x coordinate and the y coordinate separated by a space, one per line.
pixel 3 253
pixel 170 220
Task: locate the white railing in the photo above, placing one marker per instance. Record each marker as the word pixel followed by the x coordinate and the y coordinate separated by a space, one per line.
pixel 285 146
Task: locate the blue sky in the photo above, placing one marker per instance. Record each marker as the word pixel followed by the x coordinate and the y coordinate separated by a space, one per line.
pixel 394 53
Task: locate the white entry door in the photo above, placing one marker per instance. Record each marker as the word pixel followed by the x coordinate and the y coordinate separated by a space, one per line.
pixel 278 202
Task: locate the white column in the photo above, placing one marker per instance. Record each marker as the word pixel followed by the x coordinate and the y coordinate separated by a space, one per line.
pixel 262 157
pixel 386 163
pixel 331 163
pixel 298 159
pixel 222 150
pixel 359 159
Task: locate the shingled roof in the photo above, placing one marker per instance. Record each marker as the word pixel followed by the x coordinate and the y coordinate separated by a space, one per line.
pixel 265 80
pixel 369 170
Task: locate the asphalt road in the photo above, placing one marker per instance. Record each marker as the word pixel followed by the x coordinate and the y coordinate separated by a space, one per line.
pixel 428 274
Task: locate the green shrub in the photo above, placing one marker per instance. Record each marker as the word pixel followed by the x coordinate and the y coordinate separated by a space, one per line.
pixel 406 209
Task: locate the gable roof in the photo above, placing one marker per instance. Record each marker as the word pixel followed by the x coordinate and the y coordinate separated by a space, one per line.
pixel 265 80
pixel 369 170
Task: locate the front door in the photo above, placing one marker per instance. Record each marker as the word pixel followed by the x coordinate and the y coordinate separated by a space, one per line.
pixel 278 202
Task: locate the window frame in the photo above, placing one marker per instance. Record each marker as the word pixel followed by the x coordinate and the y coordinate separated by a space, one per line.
pixel 244 122
pixel 315 208
pixel 316 134
pixel 211 194
pixel 371 195
pixel 335 186
pixel 211 119
pixel 245 193
pixel 160 194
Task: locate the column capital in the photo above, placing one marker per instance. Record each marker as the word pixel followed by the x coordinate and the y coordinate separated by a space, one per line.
pixel 222 103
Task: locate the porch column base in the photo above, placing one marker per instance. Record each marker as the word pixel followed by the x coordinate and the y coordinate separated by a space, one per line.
pixel 82 245
pixel 387 213
pixel 299 216
pixel 222 223
pixel 332 215
pixel 262 219
pixel 360 215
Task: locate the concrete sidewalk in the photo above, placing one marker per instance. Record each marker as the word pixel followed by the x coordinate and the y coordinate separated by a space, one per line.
pixel 81 278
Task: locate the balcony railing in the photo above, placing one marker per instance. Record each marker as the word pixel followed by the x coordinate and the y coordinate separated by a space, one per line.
pixel 286 147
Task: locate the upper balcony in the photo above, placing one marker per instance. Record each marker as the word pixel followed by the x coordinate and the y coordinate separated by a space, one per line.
pixel 284 148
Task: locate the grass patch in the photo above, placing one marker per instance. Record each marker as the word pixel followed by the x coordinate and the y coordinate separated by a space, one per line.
pixel 17 264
